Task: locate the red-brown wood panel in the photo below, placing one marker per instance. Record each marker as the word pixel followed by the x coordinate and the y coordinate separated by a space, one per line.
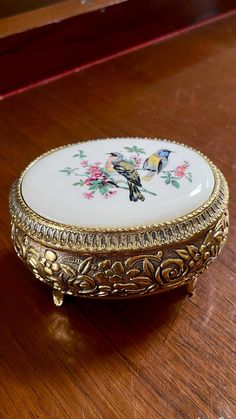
pixel 37 55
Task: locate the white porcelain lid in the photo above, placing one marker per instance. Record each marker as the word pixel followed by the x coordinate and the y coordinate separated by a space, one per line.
pixel 114 183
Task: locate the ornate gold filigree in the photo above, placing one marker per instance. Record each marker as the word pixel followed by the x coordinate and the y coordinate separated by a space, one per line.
pixel 123 275
pixel 20 242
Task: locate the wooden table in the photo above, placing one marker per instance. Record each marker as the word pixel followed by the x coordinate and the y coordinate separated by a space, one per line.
pixel 167 356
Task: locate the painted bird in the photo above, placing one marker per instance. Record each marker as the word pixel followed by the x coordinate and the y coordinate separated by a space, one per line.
pixel 155 163
pixel 118 164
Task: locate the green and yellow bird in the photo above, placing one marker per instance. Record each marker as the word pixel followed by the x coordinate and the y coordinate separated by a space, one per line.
pixel 155 163
pixel 117 163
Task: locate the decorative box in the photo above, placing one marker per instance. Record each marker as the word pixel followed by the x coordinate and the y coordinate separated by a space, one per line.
pixel 119 218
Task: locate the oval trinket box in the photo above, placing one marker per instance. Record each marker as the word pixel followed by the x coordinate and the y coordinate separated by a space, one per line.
pixel 118 218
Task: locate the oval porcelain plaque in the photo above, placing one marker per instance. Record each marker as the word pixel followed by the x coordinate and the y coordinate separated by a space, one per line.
pixel 117 183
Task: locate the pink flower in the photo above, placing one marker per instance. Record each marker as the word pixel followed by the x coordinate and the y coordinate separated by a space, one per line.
pixel 180 171
pixel 95 171
pixel 94 168
pixel 110 194
pixel 137 160
pixel 180 167
pixel 88 181
pixel 84 163
pixel 88 195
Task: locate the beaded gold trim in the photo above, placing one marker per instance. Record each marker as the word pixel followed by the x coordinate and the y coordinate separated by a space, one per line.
pixel 57 235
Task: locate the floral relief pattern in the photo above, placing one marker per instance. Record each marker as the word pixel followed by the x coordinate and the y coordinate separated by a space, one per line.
pixel 49 263
pixel 97 276
pixel 122 170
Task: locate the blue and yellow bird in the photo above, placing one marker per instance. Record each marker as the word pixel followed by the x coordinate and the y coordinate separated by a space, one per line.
pixel 155 163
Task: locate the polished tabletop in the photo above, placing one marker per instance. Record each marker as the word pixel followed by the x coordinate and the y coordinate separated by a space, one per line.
pixel 166 356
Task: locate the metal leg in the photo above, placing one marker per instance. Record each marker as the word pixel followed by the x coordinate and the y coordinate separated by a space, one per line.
pixel 191 286
pixel 58 297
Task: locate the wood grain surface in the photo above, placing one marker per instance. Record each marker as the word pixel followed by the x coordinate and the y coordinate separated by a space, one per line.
pixel 22 16
pixel 167 356
pixel 57 44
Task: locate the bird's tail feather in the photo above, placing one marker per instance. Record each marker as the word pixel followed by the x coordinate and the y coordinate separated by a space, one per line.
pixel 134 193
pixel 149 175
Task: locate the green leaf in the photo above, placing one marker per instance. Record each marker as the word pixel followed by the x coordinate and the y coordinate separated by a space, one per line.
pixel 95 182
pixel 80 154
pixel 94 187
pixel 129 149
pixel 175 183
pixel 141 151
pixel 167 181
pixel 189 176
pixel 135 149
pixel 111 186
pixel 103 190
pixel 80 183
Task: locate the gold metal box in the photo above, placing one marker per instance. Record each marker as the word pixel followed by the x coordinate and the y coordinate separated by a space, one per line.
pixel 135 217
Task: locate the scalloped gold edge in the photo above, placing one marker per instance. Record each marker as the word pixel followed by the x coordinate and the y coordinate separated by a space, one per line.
pixel 127 238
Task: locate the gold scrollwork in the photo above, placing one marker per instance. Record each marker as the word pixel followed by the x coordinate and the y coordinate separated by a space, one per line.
pixel 20 242
pixel 97 276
